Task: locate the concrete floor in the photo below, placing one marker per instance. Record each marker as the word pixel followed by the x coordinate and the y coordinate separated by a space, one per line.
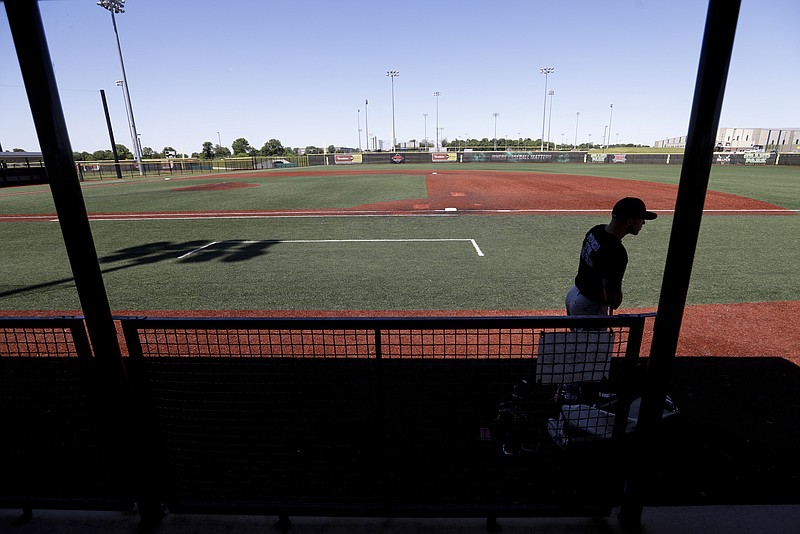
pixel 778 519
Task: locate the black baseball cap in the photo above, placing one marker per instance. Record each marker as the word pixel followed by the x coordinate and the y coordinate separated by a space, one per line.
pixel 632 208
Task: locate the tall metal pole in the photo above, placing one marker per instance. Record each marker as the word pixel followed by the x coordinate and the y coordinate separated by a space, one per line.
pixel 121 85
pixel 111 134
pixel 712 74
pixel 359 129
pixel 112 7
pixel 366 121
pixel 495 130
pixel 608 139
pixel 550 93
pixel 425 133
pixel 392 74
pixel 545 71
pixel 577 117
pixel 437 94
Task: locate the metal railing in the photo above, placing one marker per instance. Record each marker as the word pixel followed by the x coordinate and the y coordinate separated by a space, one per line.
pixel 365 416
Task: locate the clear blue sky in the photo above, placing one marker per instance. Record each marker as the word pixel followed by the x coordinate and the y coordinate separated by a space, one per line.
pixel 300 71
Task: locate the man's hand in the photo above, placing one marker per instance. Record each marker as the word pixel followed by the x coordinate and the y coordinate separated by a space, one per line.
pixel 613 298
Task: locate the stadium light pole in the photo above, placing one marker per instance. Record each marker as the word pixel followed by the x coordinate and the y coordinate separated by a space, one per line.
pixel 577 117
pixel 118 6
pixel 437 94
pixel 392 74
pixel 121 84
pixel 545 71
pixel 359 129
pixel 425 131
pixel 366 122
pixel 495 114
pixel 608 139
pixel 550 93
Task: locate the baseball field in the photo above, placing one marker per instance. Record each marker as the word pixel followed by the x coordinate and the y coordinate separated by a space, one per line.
pixel 441 239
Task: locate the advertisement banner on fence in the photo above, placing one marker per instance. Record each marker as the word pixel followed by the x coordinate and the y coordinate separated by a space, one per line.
pixel 523 157
pixel 347 159
pixel 756 158
pixel 443 157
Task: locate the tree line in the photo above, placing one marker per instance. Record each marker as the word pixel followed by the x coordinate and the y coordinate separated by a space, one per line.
pixel 239 148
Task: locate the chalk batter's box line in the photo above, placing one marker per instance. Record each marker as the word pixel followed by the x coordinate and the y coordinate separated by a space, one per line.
pixel 474 243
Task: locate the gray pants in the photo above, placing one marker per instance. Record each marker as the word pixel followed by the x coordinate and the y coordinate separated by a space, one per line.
pixel 579 304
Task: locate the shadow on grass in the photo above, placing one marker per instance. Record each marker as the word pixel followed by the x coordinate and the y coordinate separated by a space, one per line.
pixel 188 252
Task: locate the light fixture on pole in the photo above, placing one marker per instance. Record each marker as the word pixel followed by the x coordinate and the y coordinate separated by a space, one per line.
pixel 608 139
pixel 495 130
pixel 437 94
pixel 577 117
pixel 425 132
pixel 118 6
pixel 392 74
pixel 545 71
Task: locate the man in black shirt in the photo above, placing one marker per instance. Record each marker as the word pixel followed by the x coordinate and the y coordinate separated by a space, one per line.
pixel 598 285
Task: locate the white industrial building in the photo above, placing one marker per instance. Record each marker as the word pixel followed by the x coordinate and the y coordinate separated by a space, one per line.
pixel 745 139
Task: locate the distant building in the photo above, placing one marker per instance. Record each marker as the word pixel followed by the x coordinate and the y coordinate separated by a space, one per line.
pixel 672 142
pixel 744 139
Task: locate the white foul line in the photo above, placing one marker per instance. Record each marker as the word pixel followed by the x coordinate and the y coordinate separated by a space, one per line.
pixel 362 214
pixel 246 242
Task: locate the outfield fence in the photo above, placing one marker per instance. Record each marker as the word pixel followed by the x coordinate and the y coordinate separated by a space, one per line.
pixel 380 416
pixel 104 170
pixel 15 170
pixel 533 156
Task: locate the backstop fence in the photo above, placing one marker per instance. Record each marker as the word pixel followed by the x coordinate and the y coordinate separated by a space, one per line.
pixel 500 416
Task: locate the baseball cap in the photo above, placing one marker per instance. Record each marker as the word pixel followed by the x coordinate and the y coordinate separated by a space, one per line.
pixel 632 208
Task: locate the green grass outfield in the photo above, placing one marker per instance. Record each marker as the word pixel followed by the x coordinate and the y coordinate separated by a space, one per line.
pixel 382 262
